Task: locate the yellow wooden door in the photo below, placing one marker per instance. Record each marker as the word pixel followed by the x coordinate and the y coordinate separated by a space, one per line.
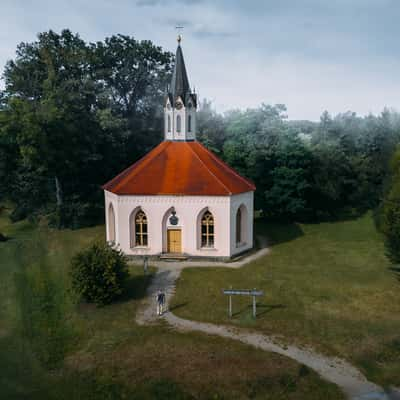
pixel 174 241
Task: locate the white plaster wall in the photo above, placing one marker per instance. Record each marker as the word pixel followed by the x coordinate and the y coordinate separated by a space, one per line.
pixel 168 135
pixel 184 114
pixel 187 210
pixel 191 135
pixel 111 198
pixel 182 134
pixel 246 199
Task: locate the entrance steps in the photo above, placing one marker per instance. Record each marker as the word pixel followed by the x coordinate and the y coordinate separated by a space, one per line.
pixel 173 257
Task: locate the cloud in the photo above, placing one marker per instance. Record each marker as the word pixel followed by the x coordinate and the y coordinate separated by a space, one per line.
pixel 309 54
pixel 152 3
pixel 203 33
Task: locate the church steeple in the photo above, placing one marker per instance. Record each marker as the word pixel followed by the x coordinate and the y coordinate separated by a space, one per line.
pixel 180 82
pixel 180 103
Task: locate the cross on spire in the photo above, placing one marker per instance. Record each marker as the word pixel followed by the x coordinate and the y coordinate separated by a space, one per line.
pixel 179 29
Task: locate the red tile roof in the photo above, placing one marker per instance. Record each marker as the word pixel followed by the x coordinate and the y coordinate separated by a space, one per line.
pixel 179 168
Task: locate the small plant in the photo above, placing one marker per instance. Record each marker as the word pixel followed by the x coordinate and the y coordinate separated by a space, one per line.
pixel 99 274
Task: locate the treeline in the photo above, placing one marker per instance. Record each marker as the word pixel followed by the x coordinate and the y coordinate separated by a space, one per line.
pixel 310 171
pixel 73 114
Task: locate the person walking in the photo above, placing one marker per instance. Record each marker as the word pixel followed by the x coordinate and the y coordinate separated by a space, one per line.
pixel 162 303
pixel 160 300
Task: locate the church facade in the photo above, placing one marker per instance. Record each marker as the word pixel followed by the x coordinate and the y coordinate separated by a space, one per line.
pixel 180 198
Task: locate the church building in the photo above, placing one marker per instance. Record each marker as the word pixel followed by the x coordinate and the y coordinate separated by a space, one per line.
pixel 180 198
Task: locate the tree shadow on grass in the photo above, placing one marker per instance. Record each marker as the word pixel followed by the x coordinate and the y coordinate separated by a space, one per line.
pixel 396 271
pixel 135 288
pixel 277 233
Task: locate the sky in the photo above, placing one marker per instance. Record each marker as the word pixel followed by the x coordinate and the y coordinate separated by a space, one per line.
pixel 311 55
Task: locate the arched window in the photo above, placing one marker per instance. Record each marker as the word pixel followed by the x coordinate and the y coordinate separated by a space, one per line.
pixel 169 123
pixel 239 226
pixel 111 224
pixel 190 123
pixel 139 235
pixel 207 230
pixel 178 123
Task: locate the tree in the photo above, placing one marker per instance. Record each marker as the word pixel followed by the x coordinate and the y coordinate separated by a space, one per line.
pixel 74 114
pixel 391 212
pixel 211 129
pixel 99 274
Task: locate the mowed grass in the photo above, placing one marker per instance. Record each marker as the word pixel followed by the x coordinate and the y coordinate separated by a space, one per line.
pixel 110 357
pixel 326 285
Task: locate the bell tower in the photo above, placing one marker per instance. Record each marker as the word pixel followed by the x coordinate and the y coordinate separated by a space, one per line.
pixel 180 103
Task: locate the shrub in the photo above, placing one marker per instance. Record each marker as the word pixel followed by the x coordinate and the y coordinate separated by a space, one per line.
pixel 99 274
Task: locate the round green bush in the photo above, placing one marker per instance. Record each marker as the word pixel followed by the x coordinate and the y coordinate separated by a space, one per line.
pixel 99 274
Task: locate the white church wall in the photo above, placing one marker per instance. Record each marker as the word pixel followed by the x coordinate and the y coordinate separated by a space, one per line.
pixel 187 210
pixel 246 200
pixel 192 134
pixel 180 134
pixel 111 198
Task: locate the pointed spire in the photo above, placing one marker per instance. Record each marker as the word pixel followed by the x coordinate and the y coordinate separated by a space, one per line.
pixel 180 82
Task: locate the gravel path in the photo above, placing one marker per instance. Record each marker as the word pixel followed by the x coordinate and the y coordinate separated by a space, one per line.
pixel 335 370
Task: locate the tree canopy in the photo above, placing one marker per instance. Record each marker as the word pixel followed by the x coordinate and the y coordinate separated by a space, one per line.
pixel 73 114
pixel 306 170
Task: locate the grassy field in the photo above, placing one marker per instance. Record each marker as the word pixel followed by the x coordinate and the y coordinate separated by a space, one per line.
pixel 110 357
pixel 326 285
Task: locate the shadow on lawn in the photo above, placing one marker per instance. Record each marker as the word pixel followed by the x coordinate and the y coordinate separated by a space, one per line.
pixel 396 271
pixel 262 309
pixel 277 233
pixel 176 306
pixel 136 287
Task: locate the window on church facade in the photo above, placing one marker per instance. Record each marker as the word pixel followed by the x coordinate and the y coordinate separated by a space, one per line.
pixel 190 123
pixel 178 123
pixel 169 123
pixel 207 230
pixel 239 226
pixel 140 224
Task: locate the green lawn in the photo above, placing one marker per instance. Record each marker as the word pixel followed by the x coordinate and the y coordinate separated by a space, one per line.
pixel 326 285
pixel 110 357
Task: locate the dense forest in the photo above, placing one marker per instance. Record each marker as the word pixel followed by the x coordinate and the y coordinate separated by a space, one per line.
pixel 73 114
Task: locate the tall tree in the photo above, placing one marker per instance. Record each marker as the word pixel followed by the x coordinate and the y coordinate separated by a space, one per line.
pixel 73 114
pixel 391 212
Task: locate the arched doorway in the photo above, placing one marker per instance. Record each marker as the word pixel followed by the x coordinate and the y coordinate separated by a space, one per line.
pixel 172 232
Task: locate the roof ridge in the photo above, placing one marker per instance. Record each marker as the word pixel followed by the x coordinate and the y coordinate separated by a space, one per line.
pixel 139 164
pixel 220 162
pixel 208 169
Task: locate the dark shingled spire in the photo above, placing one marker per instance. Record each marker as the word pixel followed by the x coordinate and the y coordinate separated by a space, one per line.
pixel 180 81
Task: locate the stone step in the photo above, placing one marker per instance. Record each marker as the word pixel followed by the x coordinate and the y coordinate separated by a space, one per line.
pixel 173 257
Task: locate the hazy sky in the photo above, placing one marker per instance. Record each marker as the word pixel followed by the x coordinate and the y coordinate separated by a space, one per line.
pixel 311 55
